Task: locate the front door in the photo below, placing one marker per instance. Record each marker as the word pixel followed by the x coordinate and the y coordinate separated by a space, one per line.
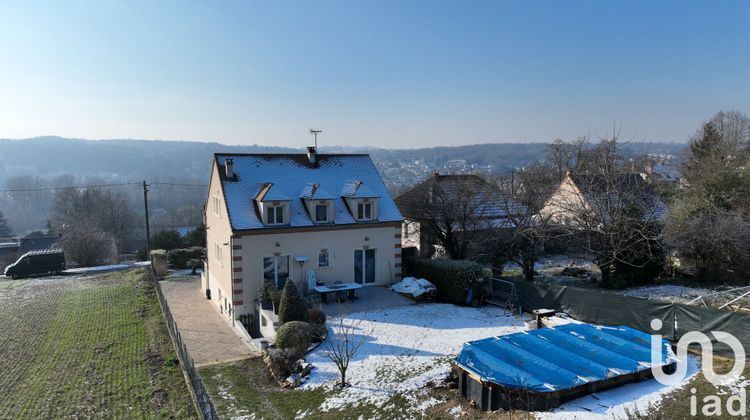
pixel 364 266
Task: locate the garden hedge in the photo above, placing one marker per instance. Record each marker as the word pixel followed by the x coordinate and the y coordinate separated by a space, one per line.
pixel 452 278
pixel 178 258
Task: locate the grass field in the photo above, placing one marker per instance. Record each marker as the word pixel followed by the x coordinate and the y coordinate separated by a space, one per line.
pixel 92 346
pixel 245 390
pixel 677 405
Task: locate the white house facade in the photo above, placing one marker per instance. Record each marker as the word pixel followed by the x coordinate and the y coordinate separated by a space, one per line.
pixel 285 217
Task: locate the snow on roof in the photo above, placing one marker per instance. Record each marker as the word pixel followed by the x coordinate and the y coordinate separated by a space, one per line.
pixel 292 173
pixel 269 192
pixel 316 192
pixel 358 189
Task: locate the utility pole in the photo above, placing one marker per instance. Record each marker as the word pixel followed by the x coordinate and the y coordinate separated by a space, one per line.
pixel 148 228
pixel 315 133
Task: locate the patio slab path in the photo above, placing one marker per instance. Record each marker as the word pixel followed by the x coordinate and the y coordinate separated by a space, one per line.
pixel 208 338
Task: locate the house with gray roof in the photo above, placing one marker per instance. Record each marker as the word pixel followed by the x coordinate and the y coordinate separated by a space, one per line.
pixel 582 199
pixel 456 196
pixel 307 218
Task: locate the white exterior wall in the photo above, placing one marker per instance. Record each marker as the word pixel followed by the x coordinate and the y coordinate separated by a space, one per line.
pixel 565 203
pixel 249 250
pixel 218 237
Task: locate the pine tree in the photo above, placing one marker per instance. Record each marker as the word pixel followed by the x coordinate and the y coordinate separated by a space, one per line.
pixel 292 307
pixel 5 230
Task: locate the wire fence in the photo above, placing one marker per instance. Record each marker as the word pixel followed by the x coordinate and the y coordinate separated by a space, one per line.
pixel 196 383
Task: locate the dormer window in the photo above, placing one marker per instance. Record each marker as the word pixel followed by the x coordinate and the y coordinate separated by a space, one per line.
pixel 275 215
pixel 364 211
pixel 321 213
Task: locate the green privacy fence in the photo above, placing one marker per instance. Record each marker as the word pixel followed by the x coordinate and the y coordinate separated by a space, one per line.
pixel 606 308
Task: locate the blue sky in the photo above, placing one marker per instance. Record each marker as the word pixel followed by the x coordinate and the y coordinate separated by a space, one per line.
pixel 370 73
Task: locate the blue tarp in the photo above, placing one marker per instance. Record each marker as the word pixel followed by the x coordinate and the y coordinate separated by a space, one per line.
pixel 556 358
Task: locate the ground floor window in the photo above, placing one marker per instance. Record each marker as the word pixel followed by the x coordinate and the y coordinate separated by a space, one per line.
pixel 276 269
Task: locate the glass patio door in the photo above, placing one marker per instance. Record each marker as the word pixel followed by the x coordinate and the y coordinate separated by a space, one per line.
pixel 276 269
pixel 364 266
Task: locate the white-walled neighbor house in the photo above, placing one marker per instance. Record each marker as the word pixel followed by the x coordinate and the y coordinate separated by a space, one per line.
pixel 278 216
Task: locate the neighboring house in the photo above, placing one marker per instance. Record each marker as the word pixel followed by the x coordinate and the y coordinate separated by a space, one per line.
pixel 8 251
pixel 601 198
pixel 278 216
pixel 463 197
pixel 664 173
pixel 37 243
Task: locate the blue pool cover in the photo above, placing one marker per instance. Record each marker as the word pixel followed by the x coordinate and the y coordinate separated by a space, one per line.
pixel 556 358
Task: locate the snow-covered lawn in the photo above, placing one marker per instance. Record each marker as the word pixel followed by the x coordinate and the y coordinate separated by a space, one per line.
pixel 667 292
pixel 620 402
pixel 408 347
pixel 102 268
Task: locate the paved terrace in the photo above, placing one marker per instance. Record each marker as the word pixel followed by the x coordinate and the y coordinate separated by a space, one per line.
pixel 367 299
pixel 208 338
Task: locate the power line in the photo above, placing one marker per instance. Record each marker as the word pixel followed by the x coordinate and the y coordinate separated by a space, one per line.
pixel 178 184
pixel 75 187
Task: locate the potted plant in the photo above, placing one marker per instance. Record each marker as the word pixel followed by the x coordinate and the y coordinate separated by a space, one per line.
pixel 268 295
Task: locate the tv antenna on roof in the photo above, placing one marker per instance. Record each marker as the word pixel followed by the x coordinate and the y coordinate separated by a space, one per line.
pixel 315 133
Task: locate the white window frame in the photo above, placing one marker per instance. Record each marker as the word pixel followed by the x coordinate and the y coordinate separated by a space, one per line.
pixel 362 215
pixel 327 258
pixel 375 261
pixel 273 210
pixel 325 213
pixel 218 253
pixel 216 205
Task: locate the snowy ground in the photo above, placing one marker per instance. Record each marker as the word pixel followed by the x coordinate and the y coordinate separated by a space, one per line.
pixel 547 262
pixel 411 346
pixel 103 268
pixel 408 347
pixel 619 402
pixel 667 292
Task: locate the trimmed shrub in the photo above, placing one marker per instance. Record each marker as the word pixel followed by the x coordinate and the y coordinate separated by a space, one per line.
pixel 282 362
pixel 159 262
pixel 294 335
pixel 452 278
pixel 316 316
pixel 292 306
pixel 179 258
pixel 319 332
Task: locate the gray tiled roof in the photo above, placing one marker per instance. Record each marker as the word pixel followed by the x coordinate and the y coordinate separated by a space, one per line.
pixel 292 176
pixel 486 198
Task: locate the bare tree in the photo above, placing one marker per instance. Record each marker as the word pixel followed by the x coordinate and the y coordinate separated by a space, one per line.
pixel 566 156
pixel 94 214
pixel 343 344
pixel 87 245
pixel 521 235
pixel 453 211
pixel 613 213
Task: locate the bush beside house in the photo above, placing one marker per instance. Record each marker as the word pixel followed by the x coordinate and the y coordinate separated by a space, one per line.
pixel 294 335
pixel 292 306
pixel 454 279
